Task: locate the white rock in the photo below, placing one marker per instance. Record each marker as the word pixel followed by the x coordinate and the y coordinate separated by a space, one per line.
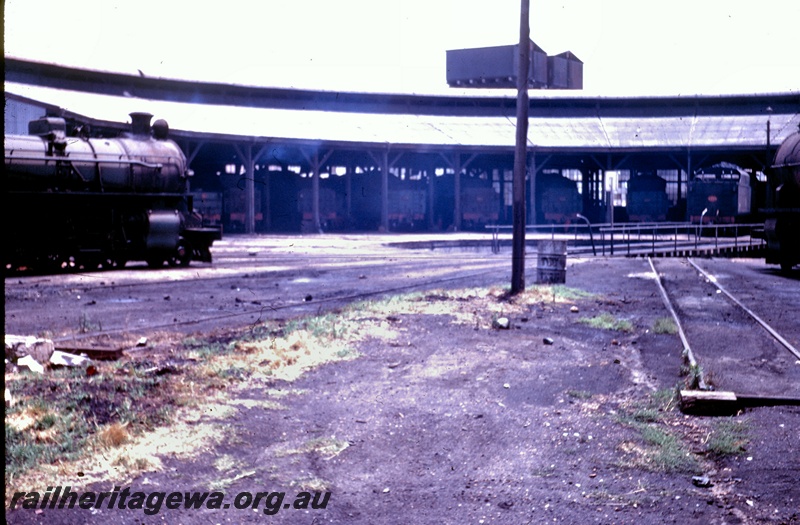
pixel 60 358
pixel 18 346
pixel 31 364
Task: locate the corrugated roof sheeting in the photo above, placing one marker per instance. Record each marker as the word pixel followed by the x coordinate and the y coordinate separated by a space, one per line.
pixel 591 133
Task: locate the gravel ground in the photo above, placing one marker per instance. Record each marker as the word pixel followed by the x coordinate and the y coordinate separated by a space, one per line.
pixel 448 421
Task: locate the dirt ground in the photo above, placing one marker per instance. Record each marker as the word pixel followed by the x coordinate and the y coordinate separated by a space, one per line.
pixel 453 420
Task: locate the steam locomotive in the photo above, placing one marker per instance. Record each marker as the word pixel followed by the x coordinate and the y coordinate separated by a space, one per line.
pixel 79 202
pixel 647 198
pixel 782 225
pixel 720 194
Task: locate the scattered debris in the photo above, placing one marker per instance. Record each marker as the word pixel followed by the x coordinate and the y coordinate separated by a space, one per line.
pixel 702 481
pixel 142 342
pixel 18 346
pixel 8 399
pixel 574 309
pixel 548 340
pixel 31 364
pixel 99 354
pixel 162 370
pixel 59 358
pixel 308 298
pixel 502 323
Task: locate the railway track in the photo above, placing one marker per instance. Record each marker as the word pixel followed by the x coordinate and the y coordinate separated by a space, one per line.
pixel 728 344
pixel 239 290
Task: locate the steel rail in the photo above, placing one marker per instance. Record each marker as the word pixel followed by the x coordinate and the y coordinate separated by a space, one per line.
pixel 767 327
pixel 259 311
pixel 687 349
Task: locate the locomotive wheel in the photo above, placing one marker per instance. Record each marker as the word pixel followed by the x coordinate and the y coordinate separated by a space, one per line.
pixel 181 258
pixel 109 263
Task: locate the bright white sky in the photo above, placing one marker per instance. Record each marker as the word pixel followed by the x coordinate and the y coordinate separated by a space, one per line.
pixel 629 47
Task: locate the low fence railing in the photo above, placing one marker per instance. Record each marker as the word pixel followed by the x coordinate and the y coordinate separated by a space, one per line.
pixel 640 238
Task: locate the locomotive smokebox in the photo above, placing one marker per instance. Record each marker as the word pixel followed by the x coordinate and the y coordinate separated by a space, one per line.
pixel 140 123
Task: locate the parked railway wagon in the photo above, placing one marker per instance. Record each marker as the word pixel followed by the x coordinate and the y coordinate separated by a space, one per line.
pixel 78 202
pixel 719 194
pixel 209 205
pixel 782 225
pixel 647 198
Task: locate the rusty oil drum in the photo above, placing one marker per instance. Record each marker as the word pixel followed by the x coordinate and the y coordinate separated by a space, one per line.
pixel 552 262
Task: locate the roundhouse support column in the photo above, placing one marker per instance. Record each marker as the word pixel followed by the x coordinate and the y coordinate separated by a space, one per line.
pixel 246 154
pixel 265 201
pixel 531 216
pixel 250 193
pixel 249 161
pixel 385 191
pixel 315 169
pixel 457 192
pixel 431 196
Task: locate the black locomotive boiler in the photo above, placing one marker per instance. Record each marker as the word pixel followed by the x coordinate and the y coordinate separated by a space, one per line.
pixel 75 201
pixel 782 224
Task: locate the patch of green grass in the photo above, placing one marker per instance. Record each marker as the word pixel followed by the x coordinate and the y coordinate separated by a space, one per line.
pixel 579 394
pixel 52 436
pixel 606 321
pixel 57 414
pixel 668 454
pixel 729 437
pixel 569 293
pixel 664 451
pixel 650 410
pixel 665 325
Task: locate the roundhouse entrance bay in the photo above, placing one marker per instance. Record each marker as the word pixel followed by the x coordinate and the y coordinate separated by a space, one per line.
pixel 272 160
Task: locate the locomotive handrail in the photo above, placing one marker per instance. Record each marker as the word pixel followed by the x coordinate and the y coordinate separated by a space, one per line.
pixel 156 166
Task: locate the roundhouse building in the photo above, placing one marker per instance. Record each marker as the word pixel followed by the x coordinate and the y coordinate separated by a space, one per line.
pixel 272 160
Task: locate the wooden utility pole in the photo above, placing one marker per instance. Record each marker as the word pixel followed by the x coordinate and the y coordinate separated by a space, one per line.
pixel 520 155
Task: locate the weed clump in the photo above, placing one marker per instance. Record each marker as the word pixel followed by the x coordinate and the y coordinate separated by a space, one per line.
pixel 665 325
pixel 606 321
pixel 729 438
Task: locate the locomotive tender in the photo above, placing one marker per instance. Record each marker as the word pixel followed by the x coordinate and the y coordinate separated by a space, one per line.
pixel 720 194
pixel 74 201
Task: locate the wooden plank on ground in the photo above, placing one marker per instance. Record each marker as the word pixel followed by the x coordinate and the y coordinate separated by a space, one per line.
pixel 101 354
